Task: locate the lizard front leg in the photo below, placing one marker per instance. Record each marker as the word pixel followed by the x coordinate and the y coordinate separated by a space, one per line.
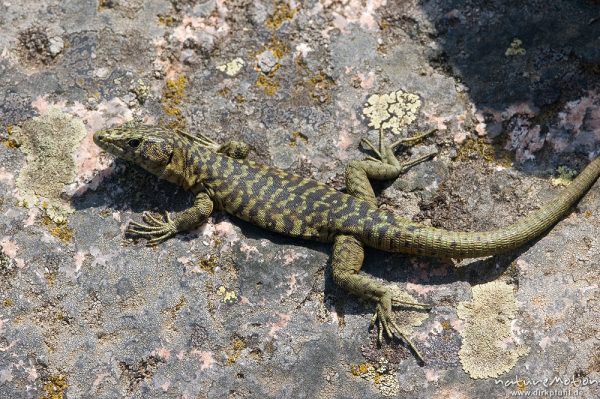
pixel 348 256
pixel 235 149
pixel 385 167
pixel 157 230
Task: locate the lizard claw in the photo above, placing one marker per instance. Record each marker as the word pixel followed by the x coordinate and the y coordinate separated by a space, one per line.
pixel 153 229
pixel 385 323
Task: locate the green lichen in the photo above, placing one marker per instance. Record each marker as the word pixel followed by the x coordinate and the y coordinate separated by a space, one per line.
pixel 393 111
pixel 228 296
pixel 233 67
pixel 564 176
pixel 488 348
pixel 49 142
pixel 516 48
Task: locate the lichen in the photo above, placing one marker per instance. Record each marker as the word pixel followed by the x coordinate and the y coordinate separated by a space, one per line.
pixel 233 67
pixel 269 85
pixel 297 136
pixel 59 230
pixel 237 346
pixel 564 176
pixel 516 48
pixel 488 347
pixel 393 110
pixel 480 148
pixel 55 387
pixel 172 98
pixel 49 142
pixel 380 374
pixel 229 296
pixel 320 86
pixel 282 13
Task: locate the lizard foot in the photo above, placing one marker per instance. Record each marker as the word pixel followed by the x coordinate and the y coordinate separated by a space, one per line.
pixel 384 151
pixel 383 318
pixel 153 229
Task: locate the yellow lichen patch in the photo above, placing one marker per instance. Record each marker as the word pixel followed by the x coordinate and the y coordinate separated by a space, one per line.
pixel 516 48
pixel 481 148
pixel 49 142
pixel 564 176
pixel 55 387
pixel 208 264
pixel 229 296
pixel 320 86
pixel 10 142
pixel 282 13
pixel 237 346
pixel 278 47
pixel 269 85
pixel 172 98
pixel 59 230
pixel 233 67
pixel 488 348
pixel 382 376
pixel 8 302
pixel 392 111
pixel 167 20
pixel 297 136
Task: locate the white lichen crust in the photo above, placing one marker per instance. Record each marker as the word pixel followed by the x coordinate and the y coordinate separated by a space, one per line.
pixel 392 111
pixel 488 347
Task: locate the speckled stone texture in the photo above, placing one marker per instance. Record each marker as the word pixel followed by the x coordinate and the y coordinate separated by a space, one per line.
pixel 231 311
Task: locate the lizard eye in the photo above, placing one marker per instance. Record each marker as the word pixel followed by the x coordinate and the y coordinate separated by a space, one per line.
pixel 133 143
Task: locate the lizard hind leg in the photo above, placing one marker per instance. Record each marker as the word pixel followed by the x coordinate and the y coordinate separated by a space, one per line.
pixel 348 256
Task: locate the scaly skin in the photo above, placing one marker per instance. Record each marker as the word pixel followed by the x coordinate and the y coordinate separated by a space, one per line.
pixel 286 203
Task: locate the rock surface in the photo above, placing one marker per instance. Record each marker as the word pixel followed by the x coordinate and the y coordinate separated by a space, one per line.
pixel 232 311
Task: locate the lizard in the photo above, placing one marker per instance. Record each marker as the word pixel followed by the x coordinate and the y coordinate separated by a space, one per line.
pixel 222 178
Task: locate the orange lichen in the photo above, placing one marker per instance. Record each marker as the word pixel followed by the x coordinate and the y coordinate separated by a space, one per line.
pixel 269 85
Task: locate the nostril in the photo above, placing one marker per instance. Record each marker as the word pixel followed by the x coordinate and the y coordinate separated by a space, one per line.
pixel 100 137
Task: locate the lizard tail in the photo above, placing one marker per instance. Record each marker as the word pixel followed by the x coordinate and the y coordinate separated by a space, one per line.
pixel 423 240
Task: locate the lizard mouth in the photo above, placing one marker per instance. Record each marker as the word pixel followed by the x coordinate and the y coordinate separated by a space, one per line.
pixel 101 141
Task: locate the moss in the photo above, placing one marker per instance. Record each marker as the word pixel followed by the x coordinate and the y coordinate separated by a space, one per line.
pixel 172 98
pixel 488 348
pixel 282 13
pixel 269 85
pixel 480 148
pixel 55 387
pixel 393 111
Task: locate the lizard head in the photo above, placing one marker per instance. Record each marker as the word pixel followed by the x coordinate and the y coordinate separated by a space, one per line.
pixel 150 147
